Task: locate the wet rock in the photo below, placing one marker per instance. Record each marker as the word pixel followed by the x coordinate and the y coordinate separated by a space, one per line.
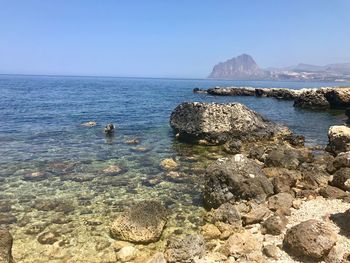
pixel 127 253
pixel 35 229
pixel 256 214
pixel 233 179
pixel 5 207
pixel 219 123
pixel 35 176
pixel 140 149
pixel 184 249
pixel 113 170
pixel 339 139
pixel 312 239
pixel 312 100
pixel 77 177
pixel 341 179
pixel 226 213
pixel 313 177
pixel 89 124
pixel 286 157
pixel 338 98
pixel 240 244
pixel 53 204
pixel 274 225
pixel 102 244
pixel 281 203
pixel 6 242
pixel 169 164
pixel 109 129
pixel 142 223
pixel 271 251
pixel 233 146
pixel 7 219
pixel 48 238
pixel 132 141
pixel 332 192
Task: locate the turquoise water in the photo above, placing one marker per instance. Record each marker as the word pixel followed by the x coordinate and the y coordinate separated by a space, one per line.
pixel 41 131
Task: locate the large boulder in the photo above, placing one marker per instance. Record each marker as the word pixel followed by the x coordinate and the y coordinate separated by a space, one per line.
pixel 233 179
pixel 338 98
pixel 339 139
pixel 6 241
pixel 142 223
pixel 312 239
pixel 219 123
pixel 312 99
pixel 341 179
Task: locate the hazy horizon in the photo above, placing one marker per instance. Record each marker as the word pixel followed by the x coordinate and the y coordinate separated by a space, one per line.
pixel 167 39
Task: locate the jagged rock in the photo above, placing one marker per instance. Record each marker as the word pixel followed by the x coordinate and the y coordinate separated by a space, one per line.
pixel 184 249
pixel 312 239
pixel 6 241
pixel 313 99
pixel 342 160
pixel 226 213
pixel 287 157
pixel 332 192
pixel 338 98
pixel 233 179
pixel 256 214
pixel 142 223
pixel 274 225
pixel 341 179
pixel 233 146
pixel 282 179
pixel 210 231
pixel 219 123
pixel 281 203
pixel 339 139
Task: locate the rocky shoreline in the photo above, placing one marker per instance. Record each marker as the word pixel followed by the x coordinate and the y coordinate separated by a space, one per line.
pixel 267 198
pixel 316 99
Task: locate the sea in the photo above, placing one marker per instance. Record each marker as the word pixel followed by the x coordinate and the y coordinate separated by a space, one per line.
pixel 74 196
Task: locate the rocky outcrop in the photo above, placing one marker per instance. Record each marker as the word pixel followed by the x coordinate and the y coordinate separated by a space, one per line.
pixel 312 239
pixel 312 100
pixel 233 179
pixel 339 139
pixel 6 241
pixel 219 123
pixel 142 223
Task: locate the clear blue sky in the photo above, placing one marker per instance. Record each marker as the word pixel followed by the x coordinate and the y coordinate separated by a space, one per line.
pixel 179 38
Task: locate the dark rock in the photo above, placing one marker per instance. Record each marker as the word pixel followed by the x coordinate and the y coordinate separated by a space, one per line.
pixel 284 180
pixel 274 225
pixel 342 160
pixel 233 179
pixel 219 123
pixel 184 249
pixel 109 129
pixel 312 239
pixel 48 238
pixel 233 146
pixel 287 157
pixel 312 100
pixel 6 242
pixel 338 98
pixel 341 179
pixel 7 219
pixel 332 192
pixel 142 223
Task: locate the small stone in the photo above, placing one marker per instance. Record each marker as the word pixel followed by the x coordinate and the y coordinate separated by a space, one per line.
pixel 274 225
pixel 89 124
pixel 271 251
pixel 332 192
pixel 297 203
pixel 118 245
pixel 156 258
pixel 112 170
pixel 168 164
pixel 127 253
pixel 48 238
pixel 256 215
pixel 35 176
pixel 281 202
pixel 210 231
pixel 132 141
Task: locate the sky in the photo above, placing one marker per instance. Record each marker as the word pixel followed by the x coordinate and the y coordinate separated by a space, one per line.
pixel 163 38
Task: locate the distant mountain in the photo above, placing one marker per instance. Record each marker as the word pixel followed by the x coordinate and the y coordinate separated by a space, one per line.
pixel 239 68
pixel 244 67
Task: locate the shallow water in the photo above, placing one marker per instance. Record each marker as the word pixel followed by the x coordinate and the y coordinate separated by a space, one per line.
pixel 40 131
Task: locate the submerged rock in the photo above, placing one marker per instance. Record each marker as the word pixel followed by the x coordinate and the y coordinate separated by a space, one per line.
pixel 112 170
pixel 89 124
pixel 219 123
pixel 339 139
pixel 169 164
pixel 312 239
pixel 48 238
pixel 35 176
pixel 184 249
pixel 233 179
pixel 142 223
pixel 6 242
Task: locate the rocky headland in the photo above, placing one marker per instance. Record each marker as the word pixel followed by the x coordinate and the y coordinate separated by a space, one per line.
pixel 316 99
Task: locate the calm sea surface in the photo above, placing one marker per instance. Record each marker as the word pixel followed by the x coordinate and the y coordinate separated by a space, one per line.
pixel 40 131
